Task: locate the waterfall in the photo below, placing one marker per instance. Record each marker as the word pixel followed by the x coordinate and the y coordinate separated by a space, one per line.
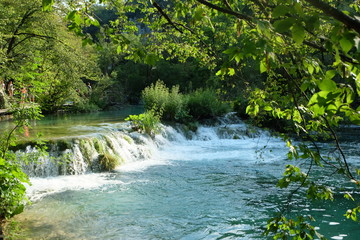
pixel 82 155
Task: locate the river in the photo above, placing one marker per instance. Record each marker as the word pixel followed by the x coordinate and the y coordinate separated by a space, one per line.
pixel 217 183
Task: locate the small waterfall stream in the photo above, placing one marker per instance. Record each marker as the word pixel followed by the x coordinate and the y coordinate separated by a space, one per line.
pixel 82 155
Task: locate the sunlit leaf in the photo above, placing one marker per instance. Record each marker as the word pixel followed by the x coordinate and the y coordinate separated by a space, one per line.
pixel 47 5
pixel 327 85
pixel 263 66
pixel 345 44
pixel 231 71
pixel 330 74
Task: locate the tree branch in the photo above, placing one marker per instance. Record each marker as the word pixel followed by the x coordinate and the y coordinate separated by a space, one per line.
pixel 227 11
pixel 23 20
pixel 175 24
pixel 335 13
pixel 161 11
pixel 29 36
pixel 227 4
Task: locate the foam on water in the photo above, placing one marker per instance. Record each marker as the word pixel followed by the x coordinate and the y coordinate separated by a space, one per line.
pixel 41 187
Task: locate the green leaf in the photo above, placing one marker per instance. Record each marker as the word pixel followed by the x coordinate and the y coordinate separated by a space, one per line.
pixel 298 33
pixel 221 72
pixel 298 9
pixel 345 44
pixel 312 22
pixel 199 14
pixel 231 71
pixel 119 49
pixel 281 10
pixel 310 68
pixel 231 50
pixel 268 108
pixel 47 5
pixel 355 118
pixel 284 25
pixel 305 85
pixel 263 67
pixel 318 98
pixel 151 59
pixel 327 85
pixel 71 15
pixel 330 74
pixel 238 57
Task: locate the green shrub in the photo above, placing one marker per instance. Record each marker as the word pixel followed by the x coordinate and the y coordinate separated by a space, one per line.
pixel 148 122
pixel 12 197
pixel 204 104
pixel 171 102
pixel 12 178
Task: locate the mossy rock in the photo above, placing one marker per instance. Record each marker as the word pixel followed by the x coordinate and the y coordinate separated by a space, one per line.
pixel 108 162
pixel 64 144
pixel 128 139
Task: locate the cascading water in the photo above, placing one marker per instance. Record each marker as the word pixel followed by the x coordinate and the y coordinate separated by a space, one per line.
pixel 217 183
pixel 81 155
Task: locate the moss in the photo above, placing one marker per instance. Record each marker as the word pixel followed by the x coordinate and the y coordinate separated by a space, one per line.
pixel 108 162
pixel 109 143
pixel 128 139
pixel 86 149
pixel 99 147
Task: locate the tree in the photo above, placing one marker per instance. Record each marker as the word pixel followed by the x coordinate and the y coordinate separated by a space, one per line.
pixel 39 53
pixel 307 51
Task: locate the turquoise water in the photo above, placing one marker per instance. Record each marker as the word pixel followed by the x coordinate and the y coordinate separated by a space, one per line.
pixel 209 187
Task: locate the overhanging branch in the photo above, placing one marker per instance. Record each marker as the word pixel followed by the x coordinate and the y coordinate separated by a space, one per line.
pixel 350 22
pixel 161 11
pixel 226 11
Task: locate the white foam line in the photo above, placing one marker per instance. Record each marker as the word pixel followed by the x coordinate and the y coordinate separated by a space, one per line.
pixel 41 187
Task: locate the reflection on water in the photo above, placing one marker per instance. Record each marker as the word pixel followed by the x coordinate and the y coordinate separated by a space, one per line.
pixel 71 125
